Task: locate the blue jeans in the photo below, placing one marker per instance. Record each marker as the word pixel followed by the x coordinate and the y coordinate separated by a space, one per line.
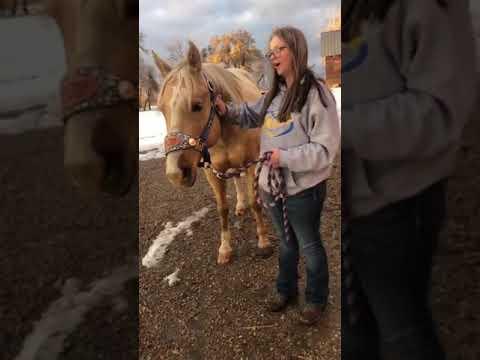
pixel 304 211
pixel 390 260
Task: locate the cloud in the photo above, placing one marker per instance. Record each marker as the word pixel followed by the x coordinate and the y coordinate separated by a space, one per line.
pixel 167 21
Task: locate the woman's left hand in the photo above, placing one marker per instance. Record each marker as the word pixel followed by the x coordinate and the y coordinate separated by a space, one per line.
pixel 275 158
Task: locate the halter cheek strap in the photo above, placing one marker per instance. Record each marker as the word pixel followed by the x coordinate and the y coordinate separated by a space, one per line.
pixel 91 88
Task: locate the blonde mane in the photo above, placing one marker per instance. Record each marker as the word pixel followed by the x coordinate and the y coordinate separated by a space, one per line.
pixel 231 84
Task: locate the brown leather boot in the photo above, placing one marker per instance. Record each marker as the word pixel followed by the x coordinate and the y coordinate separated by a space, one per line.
pixel 280 302
pixel 311 313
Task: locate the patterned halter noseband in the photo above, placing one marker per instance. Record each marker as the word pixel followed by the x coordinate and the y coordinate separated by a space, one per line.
pixel 92 88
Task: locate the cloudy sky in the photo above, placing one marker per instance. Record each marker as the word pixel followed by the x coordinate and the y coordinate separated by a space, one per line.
pixel 166 21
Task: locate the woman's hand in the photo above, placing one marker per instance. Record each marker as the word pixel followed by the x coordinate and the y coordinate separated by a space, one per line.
pixel 220 105
pixel 275 158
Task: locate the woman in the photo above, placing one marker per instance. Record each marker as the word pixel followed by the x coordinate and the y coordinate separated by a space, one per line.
pixel 300 129
pixel 408 78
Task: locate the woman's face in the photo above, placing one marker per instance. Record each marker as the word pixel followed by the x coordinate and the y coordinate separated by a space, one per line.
pixel 281 57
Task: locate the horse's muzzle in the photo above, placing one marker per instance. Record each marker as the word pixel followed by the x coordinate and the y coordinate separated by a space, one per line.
pixel 113 176
pixel 184 177
pixel 179 170
pixel 98 159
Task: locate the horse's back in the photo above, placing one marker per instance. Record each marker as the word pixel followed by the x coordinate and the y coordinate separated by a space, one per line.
pixel 250 90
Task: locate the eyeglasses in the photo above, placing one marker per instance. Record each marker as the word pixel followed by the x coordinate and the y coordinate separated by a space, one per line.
pixel 275 52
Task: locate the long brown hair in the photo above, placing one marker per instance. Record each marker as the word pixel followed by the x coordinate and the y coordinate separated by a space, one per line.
pixel 304 78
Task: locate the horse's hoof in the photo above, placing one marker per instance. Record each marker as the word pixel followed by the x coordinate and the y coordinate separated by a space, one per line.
pixel 224 258
pixel 264 252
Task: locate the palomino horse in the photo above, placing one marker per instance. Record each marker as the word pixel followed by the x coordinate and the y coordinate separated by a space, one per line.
pixel 147 92
pixel 99 92
pixel 186 100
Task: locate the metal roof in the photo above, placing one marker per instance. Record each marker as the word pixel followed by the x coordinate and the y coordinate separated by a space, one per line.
pixel 330 43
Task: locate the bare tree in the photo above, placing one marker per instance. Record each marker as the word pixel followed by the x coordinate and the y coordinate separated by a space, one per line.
pixel 141 41
pixel 148 80
pixel 176 51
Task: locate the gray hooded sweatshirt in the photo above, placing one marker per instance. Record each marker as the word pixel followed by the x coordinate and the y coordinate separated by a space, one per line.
pixel 308 141
pixel 408 88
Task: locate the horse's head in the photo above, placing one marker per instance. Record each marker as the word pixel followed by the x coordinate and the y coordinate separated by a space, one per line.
pixel 192 124
pixel 99 93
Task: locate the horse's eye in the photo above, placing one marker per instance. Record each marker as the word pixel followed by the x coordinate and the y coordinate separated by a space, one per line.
pixel 197 107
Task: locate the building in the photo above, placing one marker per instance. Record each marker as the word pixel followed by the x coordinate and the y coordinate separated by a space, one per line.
pixel 331 49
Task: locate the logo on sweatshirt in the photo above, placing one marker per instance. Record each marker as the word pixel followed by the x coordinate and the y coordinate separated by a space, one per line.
pixel 359 47
pixel 274 128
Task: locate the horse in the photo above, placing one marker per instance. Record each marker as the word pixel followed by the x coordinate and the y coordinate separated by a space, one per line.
pixel 186 99
pixel 147 92
pixel 145 95
pixel 99 92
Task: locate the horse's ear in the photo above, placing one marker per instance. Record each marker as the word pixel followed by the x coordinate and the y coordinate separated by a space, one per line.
pixel 193 57
pixel 161 64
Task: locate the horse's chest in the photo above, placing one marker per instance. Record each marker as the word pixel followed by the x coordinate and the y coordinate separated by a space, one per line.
pixel 224 158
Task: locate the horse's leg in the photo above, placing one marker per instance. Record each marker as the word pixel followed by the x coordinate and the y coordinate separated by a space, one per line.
pixel 219 188
pixel 264 246
pixel 241 206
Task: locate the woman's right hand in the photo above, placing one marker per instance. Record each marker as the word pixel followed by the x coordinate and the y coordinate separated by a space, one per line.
pixel 220 105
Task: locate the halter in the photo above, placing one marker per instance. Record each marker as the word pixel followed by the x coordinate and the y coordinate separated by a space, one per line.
pixel 177 140
pixel 92 88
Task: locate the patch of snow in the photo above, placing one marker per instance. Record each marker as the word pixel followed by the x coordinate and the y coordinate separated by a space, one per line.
pixel 33 62
pixel 159 246
pixel 173 278
pixel 65 314
pixel 151 131
pixel 36 118
pixel 337 93
pixel 153 154
pixel 237 224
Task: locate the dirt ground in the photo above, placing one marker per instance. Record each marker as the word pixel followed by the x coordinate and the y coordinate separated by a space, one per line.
pixel 48 234
pixel 456 273
pixel 217 312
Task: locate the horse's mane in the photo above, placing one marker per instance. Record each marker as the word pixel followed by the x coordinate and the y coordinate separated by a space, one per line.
pixel 227 83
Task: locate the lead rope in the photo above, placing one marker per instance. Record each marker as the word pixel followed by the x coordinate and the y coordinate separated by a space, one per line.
pixel 276 186
pixel 229 173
